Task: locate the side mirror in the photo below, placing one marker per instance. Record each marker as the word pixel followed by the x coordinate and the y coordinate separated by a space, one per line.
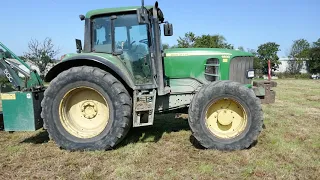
pixel 168 29
pixel 79 45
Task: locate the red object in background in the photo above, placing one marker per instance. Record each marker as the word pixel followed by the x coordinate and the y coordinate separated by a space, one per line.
pixel 63 56
pixel 269 70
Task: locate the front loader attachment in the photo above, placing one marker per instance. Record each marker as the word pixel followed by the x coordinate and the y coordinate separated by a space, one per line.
pixel 20 101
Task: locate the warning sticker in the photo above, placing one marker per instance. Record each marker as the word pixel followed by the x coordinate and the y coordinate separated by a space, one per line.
pixel 8 96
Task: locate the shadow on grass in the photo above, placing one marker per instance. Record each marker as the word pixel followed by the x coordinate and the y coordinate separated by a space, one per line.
pixel 163 123
pixel 40 138
pixel 1 122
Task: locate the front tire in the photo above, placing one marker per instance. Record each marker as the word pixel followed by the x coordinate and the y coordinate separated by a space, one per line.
pixel 225 115
pixel 86 108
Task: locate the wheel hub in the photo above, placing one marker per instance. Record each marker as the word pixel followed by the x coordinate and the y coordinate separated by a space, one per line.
pixel 89 109
pixel 225 117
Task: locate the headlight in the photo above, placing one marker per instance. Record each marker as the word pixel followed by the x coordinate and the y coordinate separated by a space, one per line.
pixel 250 74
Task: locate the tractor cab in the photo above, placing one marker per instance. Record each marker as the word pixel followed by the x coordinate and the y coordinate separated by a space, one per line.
pixel 129 41
pixel 131 34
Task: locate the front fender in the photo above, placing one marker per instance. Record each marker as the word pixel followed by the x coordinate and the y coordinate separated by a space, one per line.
pixel 116 69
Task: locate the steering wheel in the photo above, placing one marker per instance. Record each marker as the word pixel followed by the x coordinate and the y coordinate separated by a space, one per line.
pixel 145 41
pixel 132 43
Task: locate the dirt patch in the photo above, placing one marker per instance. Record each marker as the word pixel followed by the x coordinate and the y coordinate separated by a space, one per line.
pixel 313 98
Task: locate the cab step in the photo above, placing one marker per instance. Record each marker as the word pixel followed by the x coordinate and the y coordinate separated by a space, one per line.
pixel 143 107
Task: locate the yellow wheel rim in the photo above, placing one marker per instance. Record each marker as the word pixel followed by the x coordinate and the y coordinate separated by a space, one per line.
pixel 84 112
pixel 226 118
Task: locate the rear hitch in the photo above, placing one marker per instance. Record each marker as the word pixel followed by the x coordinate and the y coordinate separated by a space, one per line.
pixel 263 90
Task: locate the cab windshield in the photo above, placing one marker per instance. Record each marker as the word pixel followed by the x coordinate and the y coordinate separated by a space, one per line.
pixel 130 38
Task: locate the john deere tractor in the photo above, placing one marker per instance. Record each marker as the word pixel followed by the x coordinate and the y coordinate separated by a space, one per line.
pixel 122 78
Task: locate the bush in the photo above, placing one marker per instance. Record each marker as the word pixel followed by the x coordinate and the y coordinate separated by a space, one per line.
pixel 286 75
pixel 302 76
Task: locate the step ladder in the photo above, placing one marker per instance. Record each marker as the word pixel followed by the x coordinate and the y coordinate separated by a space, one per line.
pixel 143 107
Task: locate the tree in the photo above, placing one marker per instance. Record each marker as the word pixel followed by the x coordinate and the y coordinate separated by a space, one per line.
pixel 314 60
pixel 257 63
pixel 211 41
pixel 268 51
pixel 240 48
pixel 165 46
pixel 190 40
pixel 298 53
pixel 41 53
pixel 316 44
pixel 187 41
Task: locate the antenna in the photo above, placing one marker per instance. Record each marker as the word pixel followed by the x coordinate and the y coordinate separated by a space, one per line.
pixel 142 3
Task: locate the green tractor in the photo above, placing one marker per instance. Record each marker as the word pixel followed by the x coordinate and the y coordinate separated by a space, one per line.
pixel 122 77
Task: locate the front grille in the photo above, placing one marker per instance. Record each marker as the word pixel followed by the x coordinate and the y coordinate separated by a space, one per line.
pixel 238 69
pixel 212 69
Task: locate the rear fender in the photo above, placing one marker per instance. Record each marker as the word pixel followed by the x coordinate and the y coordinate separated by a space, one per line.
pixel 120 73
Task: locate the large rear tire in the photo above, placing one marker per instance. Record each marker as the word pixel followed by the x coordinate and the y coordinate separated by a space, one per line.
pixel 225 115
pixel 86 108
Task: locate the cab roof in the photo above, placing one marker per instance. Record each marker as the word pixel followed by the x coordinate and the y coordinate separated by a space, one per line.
pixel 113 10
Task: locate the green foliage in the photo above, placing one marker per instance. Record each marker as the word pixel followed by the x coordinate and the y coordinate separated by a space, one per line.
pixel 287 75
pixel 187 41
pixel 211 41
pixel 165 46
pixel 299 51
pixel 240 48
pixel 313 63
pixel 268 51
pixel 257 63
pixel 316 44
pixel 190 40
pixel 41 53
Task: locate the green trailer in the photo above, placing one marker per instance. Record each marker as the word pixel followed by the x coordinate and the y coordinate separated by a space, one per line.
pixel 121 78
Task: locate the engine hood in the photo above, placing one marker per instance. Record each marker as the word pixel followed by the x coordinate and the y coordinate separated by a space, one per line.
pixel 204 52
pixel 191 62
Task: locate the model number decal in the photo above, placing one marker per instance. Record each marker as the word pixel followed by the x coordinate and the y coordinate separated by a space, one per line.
pixel 8 75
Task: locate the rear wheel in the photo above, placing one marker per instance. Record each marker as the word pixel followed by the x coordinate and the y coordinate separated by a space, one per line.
pixel 225 115
pixel 86 108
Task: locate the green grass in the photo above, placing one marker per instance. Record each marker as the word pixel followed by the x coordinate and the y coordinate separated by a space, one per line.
pixel 288 148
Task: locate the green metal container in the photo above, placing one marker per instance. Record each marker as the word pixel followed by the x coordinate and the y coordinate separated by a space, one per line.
pixel 21 111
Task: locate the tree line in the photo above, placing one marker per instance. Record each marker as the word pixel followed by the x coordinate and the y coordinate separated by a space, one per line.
pixel 42 53
pixel 300 50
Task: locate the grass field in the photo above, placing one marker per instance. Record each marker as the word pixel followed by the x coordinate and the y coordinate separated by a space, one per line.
pixel 288 148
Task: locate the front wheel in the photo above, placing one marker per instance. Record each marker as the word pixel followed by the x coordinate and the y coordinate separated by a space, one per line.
pixel 86 108
pixel 225 115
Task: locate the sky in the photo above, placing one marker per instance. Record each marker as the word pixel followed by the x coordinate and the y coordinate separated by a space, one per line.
pixel 247 23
